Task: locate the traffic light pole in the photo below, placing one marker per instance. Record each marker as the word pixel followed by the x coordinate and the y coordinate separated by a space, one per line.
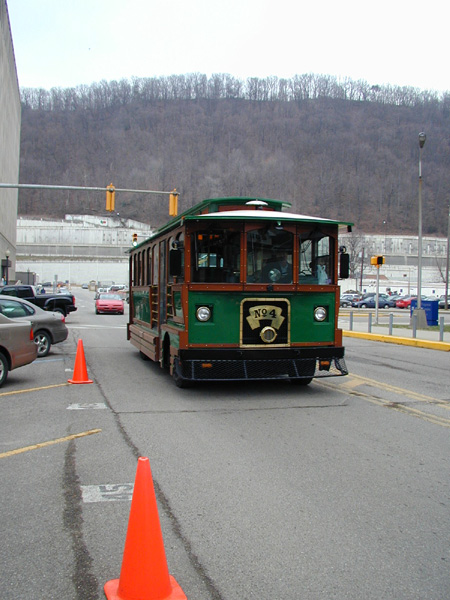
pixel 377 296
pixel 109 189
pixel 38 186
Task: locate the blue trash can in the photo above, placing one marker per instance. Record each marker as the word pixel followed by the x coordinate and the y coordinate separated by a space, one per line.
pixel 431 308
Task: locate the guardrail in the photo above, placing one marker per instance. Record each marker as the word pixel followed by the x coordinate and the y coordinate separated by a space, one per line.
pixel 413 325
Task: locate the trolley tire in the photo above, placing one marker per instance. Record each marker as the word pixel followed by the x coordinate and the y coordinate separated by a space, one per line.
pixel 180 382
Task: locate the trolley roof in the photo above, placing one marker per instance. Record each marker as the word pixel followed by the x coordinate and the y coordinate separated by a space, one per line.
pixel 242 209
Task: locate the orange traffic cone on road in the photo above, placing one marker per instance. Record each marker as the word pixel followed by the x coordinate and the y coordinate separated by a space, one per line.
pixel 80 374
pixel 144 574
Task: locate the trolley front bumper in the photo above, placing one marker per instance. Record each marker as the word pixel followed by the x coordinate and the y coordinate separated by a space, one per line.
pixel 238 365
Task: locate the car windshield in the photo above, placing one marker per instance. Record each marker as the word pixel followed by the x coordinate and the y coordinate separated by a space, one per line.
pixel 109 297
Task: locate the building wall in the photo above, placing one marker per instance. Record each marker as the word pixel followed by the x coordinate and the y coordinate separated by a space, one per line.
pixel 78 249
pixel 400 271
pixel 10 118
pixel 82 248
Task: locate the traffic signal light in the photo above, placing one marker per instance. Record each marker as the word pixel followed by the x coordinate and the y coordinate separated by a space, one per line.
pixel 173 203
pixel 134 241
pixel 377 261
pixel 110 197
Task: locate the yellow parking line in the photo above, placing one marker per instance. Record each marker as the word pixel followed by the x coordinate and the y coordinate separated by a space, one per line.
pixel 37 389
pixel 49 443
pixel 392 388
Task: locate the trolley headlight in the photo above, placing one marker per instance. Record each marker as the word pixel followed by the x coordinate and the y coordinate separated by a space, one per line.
pixel 320 313
pixel 203 313
pixel 268 335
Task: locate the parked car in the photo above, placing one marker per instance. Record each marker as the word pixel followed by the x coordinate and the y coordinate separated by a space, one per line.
pixel 48 327
pixel 369 302
pixel 404 302
pixel 100 291
pixel 63 303
pixel 109 303
pixel 84 286
pixel 117 288
pixel 347 299
pixel 17 347
pixel 442 301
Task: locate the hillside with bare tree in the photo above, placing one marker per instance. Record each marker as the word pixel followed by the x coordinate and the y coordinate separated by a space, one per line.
pixel 338 149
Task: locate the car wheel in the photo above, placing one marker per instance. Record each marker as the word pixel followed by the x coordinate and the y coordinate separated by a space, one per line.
pixel 60 310
pixel 43 342
pixel 3 369
pixel 363 306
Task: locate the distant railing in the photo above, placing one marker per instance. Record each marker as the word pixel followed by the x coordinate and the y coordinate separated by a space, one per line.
pixel 413 327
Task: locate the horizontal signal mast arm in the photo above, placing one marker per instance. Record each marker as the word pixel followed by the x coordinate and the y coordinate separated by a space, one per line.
pixel 37 186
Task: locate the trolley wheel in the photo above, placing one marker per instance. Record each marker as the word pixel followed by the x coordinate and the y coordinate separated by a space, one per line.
pixel 180 381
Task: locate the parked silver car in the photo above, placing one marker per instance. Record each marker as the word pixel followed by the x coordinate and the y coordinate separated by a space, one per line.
pixel 17 347
pixel 49 327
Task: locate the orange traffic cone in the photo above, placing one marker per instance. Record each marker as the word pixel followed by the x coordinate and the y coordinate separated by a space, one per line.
pixel 80 371
pixel 144 574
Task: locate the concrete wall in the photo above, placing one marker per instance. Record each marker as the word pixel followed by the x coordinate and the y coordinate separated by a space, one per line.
pixel 10 117
pixel 78 249
pixel 400 271
pixel 82 248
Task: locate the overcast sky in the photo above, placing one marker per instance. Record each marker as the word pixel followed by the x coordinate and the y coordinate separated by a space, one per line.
pixel 63 43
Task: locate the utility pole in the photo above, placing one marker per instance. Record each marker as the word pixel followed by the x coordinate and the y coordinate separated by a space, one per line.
pixel 447 264
pixel 362 270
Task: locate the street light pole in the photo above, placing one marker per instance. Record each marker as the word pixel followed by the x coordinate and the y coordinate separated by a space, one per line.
pixel 421 317
pixel 422 139
pixel 447 261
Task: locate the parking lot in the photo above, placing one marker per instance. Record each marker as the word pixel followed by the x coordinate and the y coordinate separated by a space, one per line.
pixel 263 490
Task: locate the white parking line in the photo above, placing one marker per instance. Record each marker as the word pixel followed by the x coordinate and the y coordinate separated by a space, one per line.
pixel 85 406
pixel 108 492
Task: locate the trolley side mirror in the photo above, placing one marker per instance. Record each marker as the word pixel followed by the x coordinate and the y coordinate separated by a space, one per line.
pixel 344 265
pixel 175 263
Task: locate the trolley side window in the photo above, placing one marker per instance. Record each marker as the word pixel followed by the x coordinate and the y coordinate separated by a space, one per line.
pixel 316 263
pixel 215 256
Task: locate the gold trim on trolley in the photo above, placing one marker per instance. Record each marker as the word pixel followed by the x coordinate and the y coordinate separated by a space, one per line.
pixel 265 309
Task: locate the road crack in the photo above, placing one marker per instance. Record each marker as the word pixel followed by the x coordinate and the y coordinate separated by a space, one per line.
pixel 86 584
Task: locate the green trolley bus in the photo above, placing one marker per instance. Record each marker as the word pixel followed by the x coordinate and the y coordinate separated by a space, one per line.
pixel 240 289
